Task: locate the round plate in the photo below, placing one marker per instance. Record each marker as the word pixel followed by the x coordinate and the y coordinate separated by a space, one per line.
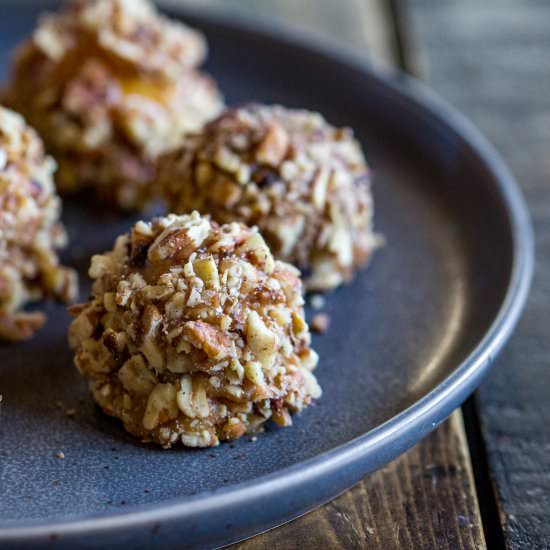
pixel 409 339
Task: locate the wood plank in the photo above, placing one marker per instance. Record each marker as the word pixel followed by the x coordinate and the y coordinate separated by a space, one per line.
pixel 360 24
pixel 491 60
pixel 424 499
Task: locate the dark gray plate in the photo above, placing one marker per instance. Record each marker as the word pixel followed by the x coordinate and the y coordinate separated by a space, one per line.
pixel 410 338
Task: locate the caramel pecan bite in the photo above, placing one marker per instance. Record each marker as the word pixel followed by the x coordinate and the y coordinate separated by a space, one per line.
pixel 30 231
pixel 194 333
pixel 304 183
pixel 110 85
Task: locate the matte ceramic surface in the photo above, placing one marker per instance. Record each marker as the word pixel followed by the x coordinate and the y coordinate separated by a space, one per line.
pixel 409 339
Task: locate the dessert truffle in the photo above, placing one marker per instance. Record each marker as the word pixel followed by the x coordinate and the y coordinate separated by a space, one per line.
pixel 109 85
pixel 194 333
pixel 30 231
pixel 304 183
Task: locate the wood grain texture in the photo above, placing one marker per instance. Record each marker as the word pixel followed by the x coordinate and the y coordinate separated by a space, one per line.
pixel 424 499
pixel 491 60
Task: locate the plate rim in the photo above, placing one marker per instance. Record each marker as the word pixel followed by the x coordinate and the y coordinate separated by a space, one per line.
pixel 427 412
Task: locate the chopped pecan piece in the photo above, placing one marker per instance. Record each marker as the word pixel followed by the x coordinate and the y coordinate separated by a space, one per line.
pixel 215 343
pixel 274 145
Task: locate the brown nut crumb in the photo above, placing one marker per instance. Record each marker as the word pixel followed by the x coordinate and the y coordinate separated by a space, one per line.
pixel 212 340
pixel 110 85
pixel 303 182
pixel 194 347
pixel 320 322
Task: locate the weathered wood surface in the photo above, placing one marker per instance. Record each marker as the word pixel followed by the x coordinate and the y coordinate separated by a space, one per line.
pixel 423 500
pixel 491 59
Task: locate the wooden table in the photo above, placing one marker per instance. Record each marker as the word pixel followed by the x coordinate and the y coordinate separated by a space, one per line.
pixel 482 479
